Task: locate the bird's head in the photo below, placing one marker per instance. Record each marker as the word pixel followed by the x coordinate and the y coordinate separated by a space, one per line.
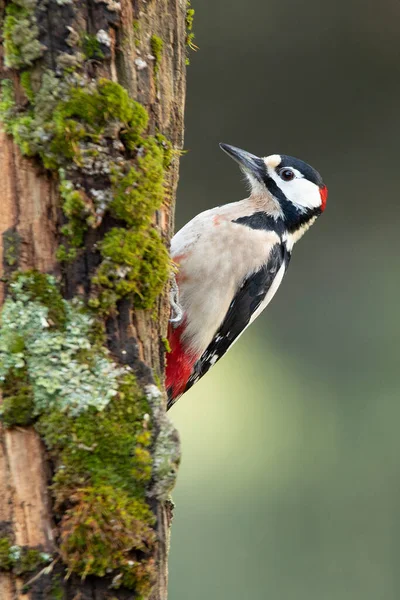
pixel 292 183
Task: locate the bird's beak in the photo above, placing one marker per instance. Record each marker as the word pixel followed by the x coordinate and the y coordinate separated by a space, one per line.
pixel 249 163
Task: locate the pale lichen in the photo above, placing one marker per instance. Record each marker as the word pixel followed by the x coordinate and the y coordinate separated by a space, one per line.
pixel 62 366
pixel 103 37
pixel 21 35
pixel 166 451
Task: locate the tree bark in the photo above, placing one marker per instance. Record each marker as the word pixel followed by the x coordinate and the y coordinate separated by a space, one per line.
pixel 140 46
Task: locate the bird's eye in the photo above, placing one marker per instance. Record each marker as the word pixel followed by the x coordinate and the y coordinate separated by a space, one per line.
pixel 286 174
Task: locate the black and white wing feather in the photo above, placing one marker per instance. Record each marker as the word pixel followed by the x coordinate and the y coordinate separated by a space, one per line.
pixel 248 299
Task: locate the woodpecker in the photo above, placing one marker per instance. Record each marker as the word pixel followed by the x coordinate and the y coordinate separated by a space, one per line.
pixel 231 260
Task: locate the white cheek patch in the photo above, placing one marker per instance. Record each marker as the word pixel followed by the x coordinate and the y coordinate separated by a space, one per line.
pixel 300 191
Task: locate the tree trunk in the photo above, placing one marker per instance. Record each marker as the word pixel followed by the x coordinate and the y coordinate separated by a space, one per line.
pixel 87 454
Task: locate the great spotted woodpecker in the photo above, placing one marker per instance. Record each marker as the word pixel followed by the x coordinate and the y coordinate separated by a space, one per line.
pixel 232 259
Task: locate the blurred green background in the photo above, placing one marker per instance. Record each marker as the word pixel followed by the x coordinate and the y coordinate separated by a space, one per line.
pixel 289 487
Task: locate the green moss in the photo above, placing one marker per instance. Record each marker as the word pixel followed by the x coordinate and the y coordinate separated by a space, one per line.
pixel 189 29
pixel 21 131
pixel 100 446
pixel 21 559
pixel 103 531
pixel 21 33
pixel 92 48
pixel 156 45
pixel 18 404
pixel 65 255
pixel 6 562
pixel 75 208
pixel 11 247
pixel 26 83
pixel 30 560
pixel 135 263
pixel 132 135
pixel 166 344
pixel 140 192
pixel 106 457
pixel 154 272
pixel 7 104
pixel 80 123
pixel 108 101
pixel 136 32
pixel 189 16
pixel 57 590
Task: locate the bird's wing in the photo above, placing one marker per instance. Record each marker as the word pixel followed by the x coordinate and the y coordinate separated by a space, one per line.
pixel 250 300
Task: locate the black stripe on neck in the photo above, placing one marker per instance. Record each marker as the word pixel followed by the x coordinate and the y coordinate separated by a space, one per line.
pixel 264 221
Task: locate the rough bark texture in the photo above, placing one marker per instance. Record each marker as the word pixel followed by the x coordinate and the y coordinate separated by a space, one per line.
pixel 30 212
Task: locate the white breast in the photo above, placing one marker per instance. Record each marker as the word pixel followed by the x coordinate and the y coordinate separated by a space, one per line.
pixel 215 255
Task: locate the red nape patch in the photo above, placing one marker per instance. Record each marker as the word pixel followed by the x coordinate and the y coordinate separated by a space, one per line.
pixel 324 196
pixel 179 364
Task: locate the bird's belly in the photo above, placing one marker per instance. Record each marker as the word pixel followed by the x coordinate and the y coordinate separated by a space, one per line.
pixel 210 275
pixel 204 312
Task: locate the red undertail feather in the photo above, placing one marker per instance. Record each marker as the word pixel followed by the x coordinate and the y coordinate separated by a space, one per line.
pixel 179 364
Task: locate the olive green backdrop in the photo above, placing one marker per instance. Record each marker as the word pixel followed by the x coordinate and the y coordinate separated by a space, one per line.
pixel 289 487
